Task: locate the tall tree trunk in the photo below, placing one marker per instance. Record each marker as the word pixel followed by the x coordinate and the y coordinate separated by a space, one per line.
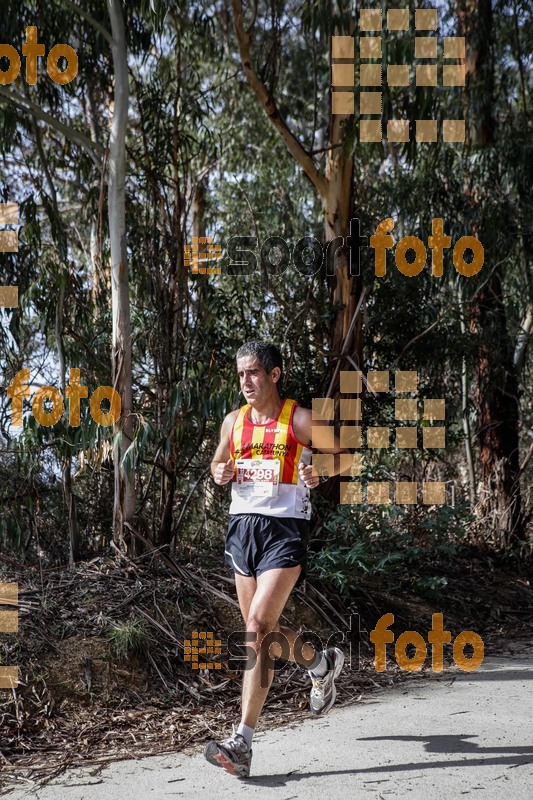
pixel 338 209
pixel 334 188
pixel 124 502
pixel 496 399
pixel 96 228
pixel 206 493
pixel 496 394
pixel 465 411
pixel 174 290
pixel 475 23
pixel 66 474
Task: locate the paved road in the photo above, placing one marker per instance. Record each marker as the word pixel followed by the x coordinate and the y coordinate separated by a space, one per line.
pixel 444 737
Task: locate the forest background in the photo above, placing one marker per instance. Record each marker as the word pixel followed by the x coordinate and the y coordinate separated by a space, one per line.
pixel 214 119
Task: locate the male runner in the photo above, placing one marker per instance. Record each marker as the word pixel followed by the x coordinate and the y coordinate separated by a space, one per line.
pixel 265 450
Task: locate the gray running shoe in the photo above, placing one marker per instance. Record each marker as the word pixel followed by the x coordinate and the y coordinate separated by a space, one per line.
pixel 323 692
pixel 233 755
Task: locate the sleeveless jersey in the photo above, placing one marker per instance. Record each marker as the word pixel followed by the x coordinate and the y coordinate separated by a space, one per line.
pixel 273 441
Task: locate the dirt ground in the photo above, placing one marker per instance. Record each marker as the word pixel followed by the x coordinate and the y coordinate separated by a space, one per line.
pixel 78 703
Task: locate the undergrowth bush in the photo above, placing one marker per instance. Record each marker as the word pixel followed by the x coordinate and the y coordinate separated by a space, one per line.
pixel 129 638
pixel 395 542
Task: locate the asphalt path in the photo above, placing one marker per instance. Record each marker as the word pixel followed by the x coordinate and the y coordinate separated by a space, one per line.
pixel 446 736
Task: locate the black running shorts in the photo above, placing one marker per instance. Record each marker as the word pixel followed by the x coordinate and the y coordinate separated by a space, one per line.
pixel 256 543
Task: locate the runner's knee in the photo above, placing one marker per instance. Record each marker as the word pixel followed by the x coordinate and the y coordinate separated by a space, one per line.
pixel 261 626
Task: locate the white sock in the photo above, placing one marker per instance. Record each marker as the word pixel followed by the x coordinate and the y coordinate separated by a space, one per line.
pixel 246 732
pixel 322 667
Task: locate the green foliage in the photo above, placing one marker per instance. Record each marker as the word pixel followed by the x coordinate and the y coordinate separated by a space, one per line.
pixel 389 543
pixel 194 124
pixel 129 639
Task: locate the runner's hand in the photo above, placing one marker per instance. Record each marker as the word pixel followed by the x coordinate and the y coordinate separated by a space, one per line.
pixel 309 475
pixel 224 472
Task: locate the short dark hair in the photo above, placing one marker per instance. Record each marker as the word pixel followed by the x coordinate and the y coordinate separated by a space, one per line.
pixel 267 354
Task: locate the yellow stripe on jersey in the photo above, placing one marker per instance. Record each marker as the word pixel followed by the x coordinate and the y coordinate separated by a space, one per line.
pixel 273 440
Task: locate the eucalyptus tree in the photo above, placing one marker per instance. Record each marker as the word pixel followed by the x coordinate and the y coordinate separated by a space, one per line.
pixel 36 172
pixel 312 134
pixel 97 27
pixel 499 150
pixel 469 335
pixel 358 176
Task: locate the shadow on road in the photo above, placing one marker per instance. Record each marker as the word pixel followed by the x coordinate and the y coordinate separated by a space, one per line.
pixel 501 674
pixel 432 744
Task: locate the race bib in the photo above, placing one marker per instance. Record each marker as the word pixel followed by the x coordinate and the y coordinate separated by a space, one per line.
pixel 257 477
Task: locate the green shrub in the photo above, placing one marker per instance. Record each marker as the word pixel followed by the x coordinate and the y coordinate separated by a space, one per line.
pixel 392 541
pixel 129 639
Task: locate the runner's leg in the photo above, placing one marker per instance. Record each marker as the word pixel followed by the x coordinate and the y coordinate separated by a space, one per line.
pixel 273 589
pixel 305 653
pixel 246 587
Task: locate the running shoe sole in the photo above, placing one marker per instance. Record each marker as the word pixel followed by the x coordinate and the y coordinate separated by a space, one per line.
pixel 218 756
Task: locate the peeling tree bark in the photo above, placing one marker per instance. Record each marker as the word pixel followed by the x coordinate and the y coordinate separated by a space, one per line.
pixel 124 502
pixel 338 209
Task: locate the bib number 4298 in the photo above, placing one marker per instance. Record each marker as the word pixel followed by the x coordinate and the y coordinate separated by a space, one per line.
pixel 257 477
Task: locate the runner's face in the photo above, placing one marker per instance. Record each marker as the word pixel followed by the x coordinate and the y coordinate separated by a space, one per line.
pixel 256 384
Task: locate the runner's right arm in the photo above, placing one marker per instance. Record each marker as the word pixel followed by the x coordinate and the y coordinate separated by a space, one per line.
pixel 222 465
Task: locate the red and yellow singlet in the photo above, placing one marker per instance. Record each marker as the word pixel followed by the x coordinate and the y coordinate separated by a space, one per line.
pixel 266 466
